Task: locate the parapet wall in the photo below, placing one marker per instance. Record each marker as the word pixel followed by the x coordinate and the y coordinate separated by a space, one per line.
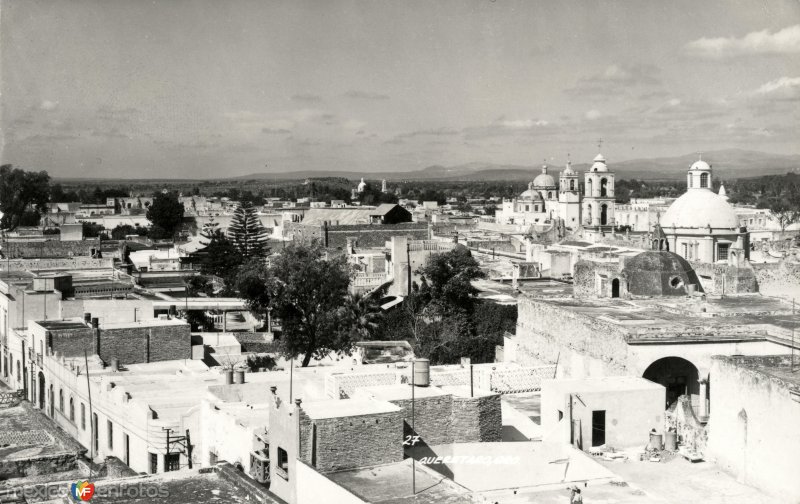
pixel 365 235
pixel 50 249
pixel 778 279
pixel 476 419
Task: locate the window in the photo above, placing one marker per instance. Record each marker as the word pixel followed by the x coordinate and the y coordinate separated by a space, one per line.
pixel 71 409
pixel 722 251
pixel 153 463
pixel 83 416
pixel 61 400
pixel 110 434
pixel 283 464
pixel 126 441
pixel 704 180
pixel 95 434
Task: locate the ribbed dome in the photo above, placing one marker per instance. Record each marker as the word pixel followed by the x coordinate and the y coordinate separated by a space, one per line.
pixel 531 194
pixel 700 208
pixel 659 273
pixel 544 180
pixel 568 170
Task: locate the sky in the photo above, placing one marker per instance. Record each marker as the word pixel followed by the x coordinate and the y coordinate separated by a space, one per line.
pixel 209 88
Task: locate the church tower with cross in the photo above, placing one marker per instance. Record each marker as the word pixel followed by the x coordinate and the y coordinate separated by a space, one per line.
pixel 569 196
pixel 598 195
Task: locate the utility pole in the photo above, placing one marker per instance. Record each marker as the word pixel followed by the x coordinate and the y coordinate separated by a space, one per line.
pixel 792 335
pixel 413 430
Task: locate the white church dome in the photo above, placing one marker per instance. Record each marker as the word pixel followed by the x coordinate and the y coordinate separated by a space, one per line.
pixel 531 194
pixel 599 164
pixel 544 180
pixel 700 208
pixel 700 165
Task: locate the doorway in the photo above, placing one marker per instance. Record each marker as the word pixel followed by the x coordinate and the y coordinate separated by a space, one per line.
pixel 615 288
pixel 598 427
pixel 41 391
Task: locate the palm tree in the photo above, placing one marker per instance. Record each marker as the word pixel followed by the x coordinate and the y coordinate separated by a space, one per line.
pixel 361 313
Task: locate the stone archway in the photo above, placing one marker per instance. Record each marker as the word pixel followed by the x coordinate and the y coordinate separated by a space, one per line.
pixel 615 288
pixel 678 375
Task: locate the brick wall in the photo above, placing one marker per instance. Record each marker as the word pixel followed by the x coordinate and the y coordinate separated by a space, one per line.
pixel 131 345
pixel 350 442
pixel 476 419
pixel 778 279
pixel 432 418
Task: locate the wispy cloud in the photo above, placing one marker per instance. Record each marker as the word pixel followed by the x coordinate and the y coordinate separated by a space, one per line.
pixel 365 95
pixel 276 131
pixel 785 41
pixel 615 79
pixel 782 89
pixel 48 105
pixel 306 98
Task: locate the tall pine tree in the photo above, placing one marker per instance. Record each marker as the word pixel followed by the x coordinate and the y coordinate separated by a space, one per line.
pixel 247 233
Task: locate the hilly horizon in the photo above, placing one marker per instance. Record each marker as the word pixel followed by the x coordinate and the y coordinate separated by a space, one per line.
pixel 727 164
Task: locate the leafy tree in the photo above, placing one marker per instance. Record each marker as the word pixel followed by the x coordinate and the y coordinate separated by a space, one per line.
pixel 92 230
pixel 199 284
pixel 166 214
pixel 247 233
pixel 19 190
pixel 123 230
pixel 306 292
pixel 449 277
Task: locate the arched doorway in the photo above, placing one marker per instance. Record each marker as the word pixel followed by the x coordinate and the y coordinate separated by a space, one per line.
pixel 51 397
pixel 678 376
pixel 615 288
pixel 603 215
pixel 41 390
pixel 589 214
pixel 603 188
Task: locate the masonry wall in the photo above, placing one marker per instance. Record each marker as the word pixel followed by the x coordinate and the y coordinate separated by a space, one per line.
pixel 582 346
pixel 476 419
pixel 135 345
pixel 365 235
pixel 752 431
pixel 778 279
pixel 50 249
pixel 433 420
pixel 62 263
pixel 350 442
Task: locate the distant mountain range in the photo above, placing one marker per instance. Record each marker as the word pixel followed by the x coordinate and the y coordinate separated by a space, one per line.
pixel 727 164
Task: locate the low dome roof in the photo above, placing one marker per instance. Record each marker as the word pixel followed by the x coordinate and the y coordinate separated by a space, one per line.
pixel 700 165
pixel 568 170
pixel 530 194
pixel 700 208
pixel 659 273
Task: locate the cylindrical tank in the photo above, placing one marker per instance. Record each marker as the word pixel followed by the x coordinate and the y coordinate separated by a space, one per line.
pixel 114 364
pixel 671 441
pixel 238 376
pixel 228 376
pixel 422 372
pixel 691 288
pixel 656 441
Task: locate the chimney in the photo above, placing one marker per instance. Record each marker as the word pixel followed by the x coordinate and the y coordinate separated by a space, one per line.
pixel 95 323
pixel 87 318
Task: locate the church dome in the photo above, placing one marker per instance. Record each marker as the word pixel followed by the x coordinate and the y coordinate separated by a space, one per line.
pixel 700 165
pixel 568 170
pixel 659 273
pixel 599 164
pixel 531 195
pixel 700 208
pixel 544 180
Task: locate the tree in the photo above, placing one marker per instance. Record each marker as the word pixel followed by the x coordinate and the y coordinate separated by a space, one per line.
pixel 449 277
pixel 305 291
pixel 166 214
pixel 19 190
pixel 92 230
pixel 362 314
pixel 123 230
pixel 247 233
pixel 220 257
pixel 785 207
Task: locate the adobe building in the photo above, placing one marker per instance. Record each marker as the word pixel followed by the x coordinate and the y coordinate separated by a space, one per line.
pixel 654 326
pixel 753 432
pixel 615 411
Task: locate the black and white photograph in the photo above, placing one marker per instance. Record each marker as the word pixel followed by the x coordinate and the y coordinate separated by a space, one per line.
pixel 400 252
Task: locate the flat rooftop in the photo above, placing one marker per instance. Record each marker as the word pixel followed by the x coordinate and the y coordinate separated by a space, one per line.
pixel 774 366
pixel 398 392
pixel 26 433
pixel 336 408
pixel 605 384
pixel 740 317
pixel 392 484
